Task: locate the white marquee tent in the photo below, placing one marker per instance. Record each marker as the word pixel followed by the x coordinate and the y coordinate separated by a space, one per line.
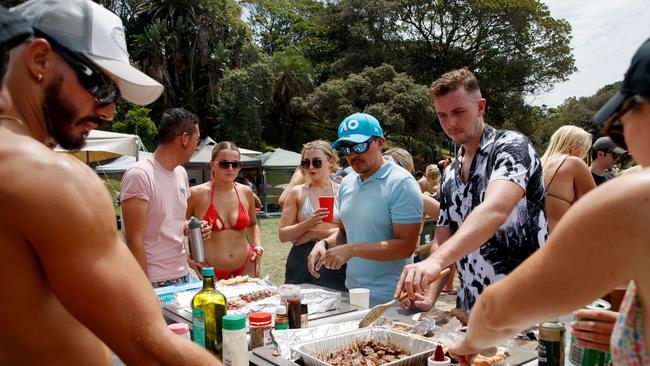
pixel 104 145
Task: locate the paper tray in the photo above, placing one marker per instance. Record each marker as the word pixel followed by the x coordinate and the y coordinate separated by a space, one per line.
pixel 418 347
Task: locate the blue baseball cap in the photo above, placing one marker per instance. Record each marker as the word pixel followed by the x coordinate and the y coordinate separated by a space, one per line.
pixel 358 128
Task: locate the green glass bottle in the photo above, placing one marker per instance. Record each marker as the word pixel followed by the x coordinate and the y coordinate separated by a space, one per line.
pixel 208 307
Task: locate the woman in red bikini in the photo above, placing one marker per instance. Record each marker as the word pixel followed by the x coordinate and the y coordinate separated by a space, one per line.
pixel 234 247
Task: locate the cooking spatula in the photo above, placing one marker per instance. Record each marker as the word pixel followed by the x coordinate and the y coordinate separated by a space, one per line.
pixel 378 310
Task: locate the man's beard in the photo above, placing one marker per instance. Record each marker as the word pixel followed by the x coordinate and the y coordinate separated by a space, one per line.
pixel 60 117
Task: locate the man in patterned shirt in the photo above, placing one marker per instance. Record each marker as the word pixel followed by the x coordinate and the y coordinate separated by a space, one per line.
pixel 492 213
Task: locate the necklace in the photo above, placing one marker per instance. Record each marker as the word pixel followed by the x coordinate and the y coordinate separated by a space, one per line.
pixel 10 118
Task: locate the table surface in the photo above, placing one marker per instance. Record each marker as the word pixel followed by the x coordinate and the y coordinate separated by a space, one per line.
pixel 263 356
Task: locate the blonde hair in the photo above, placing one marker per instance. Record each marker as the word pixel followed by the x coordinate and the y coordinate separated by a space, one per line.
pixel 562 140
pixel 224 145
pixel 326 148
pixel 433 173
pixel 402 158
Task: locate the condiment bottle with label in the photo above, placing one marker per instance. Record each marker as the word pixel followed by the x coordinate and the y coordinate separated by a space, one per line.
pixel 281 318
pixel 235 345
pixel 291 295
pixel 208 308
pixel 260 327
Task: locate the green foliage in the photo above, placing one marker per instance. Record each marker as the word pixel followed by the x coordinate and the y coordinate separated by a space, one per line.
pixel 188 45
pixel 242 105
pixel 137 122
pixel 402 106
pixel 574 111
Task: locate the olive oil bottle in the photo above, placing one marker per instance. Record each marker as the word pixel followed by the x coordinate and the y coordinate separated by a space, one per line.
pixel 208 307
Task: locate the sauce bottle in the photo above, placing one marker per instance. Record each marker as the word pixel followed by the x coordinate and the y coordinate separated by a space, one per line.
pixel 291 295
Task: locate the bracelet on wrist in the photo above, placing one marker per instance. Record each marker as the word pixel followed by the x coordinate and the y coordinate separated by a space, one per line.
pixel 327 244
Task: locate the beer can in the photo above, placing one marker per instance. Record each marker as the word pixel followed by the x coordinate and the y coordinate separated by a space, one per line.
pixel 580 356
pixel 551 344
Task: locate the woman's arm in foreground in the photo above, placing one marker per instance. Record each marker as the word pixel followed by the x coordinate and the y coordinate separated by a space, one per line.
pixel 594 248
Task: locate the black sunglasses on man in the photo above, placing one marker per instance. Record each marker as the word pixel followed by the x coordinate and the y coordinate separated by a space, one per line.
pixel 100 86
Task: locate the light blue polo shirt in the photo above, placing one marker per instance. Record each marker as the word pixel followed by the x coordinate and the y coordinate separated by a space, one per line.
pixel 368 211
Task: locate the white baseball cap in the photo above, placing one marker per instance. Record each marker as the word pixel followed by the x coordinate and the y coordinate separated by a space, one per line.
pixel 88 28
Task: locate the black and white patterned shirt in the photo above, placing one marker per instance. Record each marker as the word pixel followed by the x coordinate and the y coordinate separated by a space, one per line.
pixel 501 155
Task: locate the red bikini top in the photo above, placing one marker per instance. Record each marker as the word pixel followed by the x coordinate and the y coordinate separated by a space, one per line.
pixel 212 216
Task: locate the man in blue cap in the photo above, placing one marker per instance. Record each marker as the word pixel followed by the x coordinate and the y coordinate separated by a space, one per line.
pixel 380 206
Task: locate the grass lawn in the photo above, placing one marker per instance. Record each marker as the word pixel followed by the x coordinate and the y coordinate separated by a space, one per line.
pixel 275 252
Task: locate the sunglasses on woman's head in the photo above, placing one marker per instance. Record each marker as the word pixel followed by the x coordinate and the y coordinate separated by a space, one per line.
pixel 316 163
pixel 359 148
pixel 223 164
pixel 614 127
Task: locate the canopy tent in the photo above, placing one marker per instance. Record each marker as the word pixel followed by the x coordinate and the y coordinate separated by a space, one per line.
pixel 104 145
pixel 198 168
pixel 279 165
pixel 280 159
pixel 121 164
pixel 202 158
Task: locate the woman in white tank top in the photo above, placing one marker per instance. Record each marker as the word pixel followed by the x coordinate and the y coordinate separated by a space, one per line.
pixel 302 222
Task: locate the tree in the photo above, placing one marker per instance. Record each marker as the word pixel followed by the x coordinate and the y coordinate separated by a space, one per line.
pixel 243 104
pixel 402 106
pixel 138 122
pixel 188 45
pixel 292 78
pixel 514 47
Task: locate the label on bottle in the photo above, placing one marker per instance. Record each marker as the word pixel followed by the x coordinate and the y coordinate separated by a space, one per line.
pixel 227 354
pixel 198 326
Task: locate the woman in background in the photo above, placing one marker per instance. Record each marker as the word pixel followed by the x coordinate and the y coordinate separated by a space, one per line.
pixel 302 217
pixel 430 182
pixel 566 175
pixel 234 247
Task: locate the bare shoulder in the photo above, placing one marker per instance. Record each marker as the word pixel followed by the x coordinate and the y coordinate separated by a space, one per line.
pixel 34 170
pixel 55 191
pixel 572 162
pixel 616 201
pixel 297 191
pixel 200 189
pixel 244 189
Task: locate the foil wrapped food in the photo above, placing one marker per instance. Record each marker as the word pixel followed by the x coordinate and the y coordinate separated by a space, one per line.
pixel 416 347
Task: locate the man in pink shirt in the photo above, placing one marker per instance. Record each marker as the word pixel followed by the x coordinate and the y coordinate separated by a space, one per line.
pixel 154 196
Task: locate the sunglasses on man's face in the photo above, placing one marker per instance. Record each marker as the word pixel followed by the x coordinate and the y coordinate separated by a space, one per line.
pixel 358 149
pixel 614 127
pixel 100 86
pixel 316 163
pixel 224 164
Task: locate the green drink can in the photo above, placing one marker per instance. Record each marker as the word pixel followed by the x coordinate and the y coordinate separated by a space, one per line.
pixel 580 356
pixel 551 344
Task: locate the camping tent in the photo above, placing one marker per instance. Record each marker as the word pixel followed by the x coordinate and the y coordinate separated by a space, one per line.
pixel 104 145
pixel 279 166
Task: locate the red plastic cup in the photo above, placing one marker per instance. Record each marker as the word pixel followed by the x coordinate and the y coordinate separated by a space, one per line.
pixel 328 203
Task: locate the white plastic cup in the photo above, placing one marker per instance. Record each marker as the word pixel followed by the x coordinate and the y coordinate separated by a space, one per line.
pixel 360 297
